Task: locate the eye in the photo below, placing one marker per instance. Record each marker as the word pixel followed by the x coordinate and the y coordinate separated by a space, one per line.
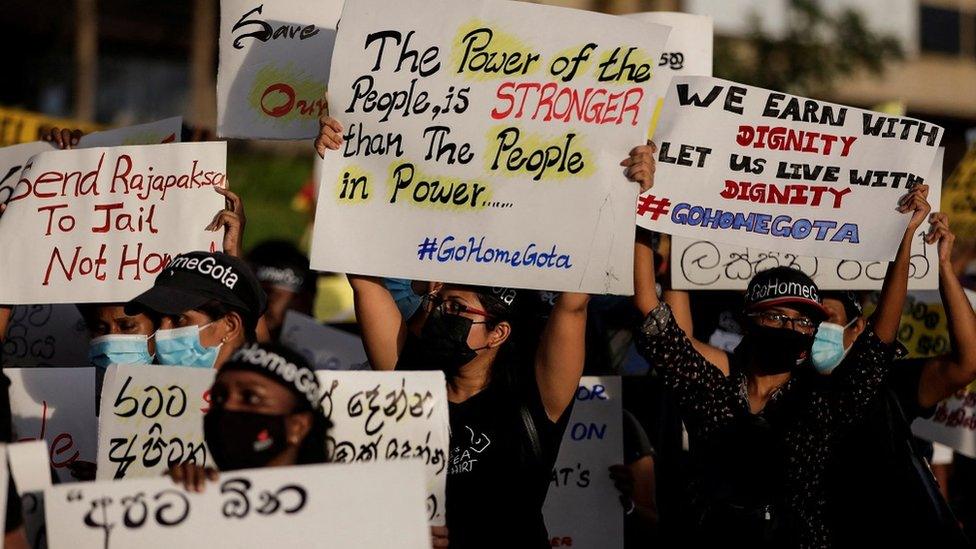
pixel 453 307
pixel 251 398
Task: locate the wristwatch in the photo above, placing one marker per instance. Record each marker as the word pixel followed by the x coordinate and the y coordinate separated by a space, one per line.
pixel 657 320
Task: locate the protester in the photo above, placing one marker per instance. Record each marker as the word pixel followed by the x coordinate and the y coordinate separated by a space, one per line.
pixel 762 422
pixel 506 423
pixel 265 411
pixel 208 305
pixel 634 479
pixel 282 269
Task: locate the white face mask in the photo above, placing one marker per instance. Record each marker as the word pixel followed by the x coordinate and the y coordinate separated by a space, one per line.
pixel 182 347
pixel 828 349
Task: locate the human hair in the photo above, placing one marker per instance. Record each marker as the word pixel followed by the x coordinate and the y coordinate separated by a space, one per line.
pixel 218 309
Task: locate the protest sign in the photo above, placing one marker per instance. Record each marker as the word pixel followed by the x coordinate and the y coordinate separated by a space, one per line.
pixel 97 225
pixel 688 52
pixel 361 506
pixel 56 405
pixel 45 335
pixel 31 475
pixel 485 149
pixel 924 329
pixel 274 66
pixel 151 419
pixel 13 159
pixel 698 264
pixel 383 416
pixel 324 347
pixel 959 197
pixel 582 507
pixel 768 170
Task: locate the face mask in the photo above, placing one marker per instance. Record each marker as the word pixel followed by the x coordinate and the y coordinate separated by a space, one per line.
pixel 406 300
pixel 444 342
pixel 182 347
pixel 243 440
pixel 781 348
pixel 119 349
pixel 828 347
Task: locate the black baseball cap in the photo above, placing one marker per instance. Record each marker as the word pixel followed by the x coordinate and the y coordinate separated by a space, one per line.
pixel 195 278
pixel 278 263
pixel 784 286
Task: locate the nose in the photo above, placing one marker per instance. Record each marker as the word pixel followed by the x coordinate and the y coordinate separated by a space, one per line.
pixel 166 323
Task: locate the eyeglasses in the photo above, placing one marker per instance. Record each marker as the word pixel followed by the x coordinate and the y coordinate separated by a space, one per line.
pixel 801 324
pixel 450 306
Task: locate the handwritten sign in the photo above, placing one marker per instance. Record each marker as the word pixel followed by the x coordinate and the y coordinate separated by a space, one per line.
pixel 924 328
pixel 583 508
pixel 384 416
pixel 959 198
pixel 485 149
pixel 151 419
pixel 702 264
pixel 13 159
pixel 31 475
pixel 56 405
pixel 768 170
pixel 274 66
pixel 97 225
pixel 361 506
pixel 45 335
pixel 325 347
pixel 688 52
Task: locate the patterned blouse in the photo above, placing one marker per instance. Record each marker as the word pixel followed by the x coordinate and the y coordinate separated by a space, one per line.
pixel 808 413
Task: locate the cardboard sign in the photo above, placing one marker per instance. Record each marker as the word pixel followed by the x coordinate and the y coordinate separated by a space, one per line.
pixel 689 50
pixel 485 149
pixel 924 328
pixel 151 420
pixel 97 225
pixel 274 66
pixel 56 405
pixel 324 347
pixel 706 265
pixel 13 159
pixel 768 170
pixel 383 416
pixel 362 506
pixel 45 335
pixel 582 507
pixel 31 476
pixel 959 197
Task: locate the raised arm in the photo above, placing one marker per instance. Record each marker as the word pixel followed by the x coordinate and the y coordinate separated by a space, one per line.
pixel 942 376
pixel 383 328
pixel 561 353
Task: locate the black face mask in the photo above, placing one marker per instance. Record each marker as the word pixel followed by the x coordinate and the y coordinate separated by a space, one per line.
pixel 243 440
pixel 444 342
pixel 779 348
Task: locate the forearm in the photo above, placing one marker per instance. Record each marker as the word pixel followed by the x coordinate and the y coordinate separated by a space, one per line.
pixel 562 353
pixel 962 325
pixel 887 317
pixel 383 329
pixel 645 283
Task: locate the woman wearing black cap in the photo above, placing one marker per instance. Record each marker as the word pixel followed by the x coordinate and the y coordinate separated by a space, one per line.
pixel 508 401
pixel 762 422
pixel 265 412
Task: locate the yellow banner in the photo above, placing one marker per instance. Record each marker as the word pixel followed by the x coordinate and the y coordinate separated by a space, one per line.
pixel 924 329
pixel 959 197
pixel 20 126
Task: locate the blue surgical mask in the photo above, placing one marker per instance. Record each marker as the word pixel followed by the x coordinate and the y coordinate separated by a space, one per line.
pixel 406 299
pixel 182 347
pixel 119 349
pixel 828 347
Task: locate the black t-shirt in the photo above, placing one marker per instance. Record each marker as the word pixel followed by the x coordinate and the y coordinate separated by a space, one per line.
pixel 869 480
pixel 495 484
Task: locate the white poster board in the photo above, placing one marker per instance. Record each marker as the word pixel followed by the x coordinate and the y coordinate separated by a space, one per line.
pixel 324 347
pixel 45 335
pixel 485 149
pixel 582 507
pixel 97 225
pixel 152 419
pixel 688 52
pixel 57 406
pixel 31 476
pixel 361 506
pixel 274 66
pixel 704 265
pixel 382 416
pixel 768 170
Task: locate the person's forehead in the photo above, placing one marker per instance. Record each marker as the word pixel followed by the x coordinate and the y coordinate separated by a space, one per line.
pixel 835 307
pixel 467 296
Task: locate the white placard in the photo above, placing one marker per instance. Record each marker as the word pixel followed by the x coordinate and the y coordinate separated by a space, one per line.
pixel 31 476
pixel 689 50
pixel 381 416
pixel 361 506
pixel 152 419
pixel 13 158
pixel 57 406
pixel 582 507
pixel 45 335
pixel 763 169
pixel 324 347
pixel 492 155
pixel 706 265
pixel 97 225
pixel 274 66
